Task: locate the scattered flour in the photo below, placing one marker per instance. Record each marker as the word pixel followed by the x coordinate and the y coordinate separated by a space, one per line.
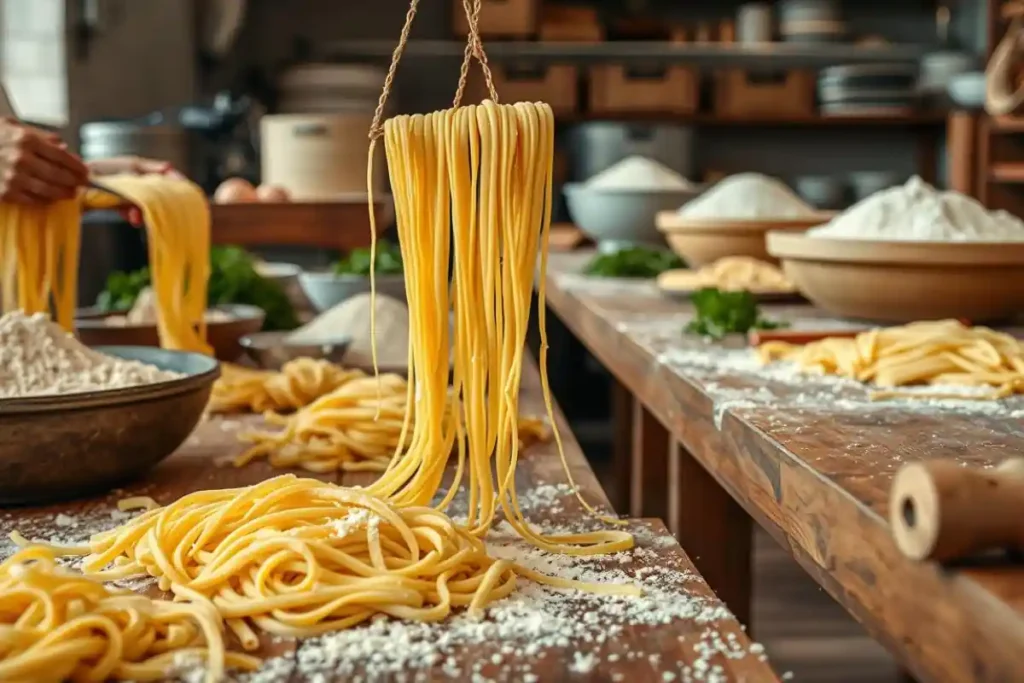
pixel 535 619
pixel 39 358
pixel 637 173
pixel 748 196
pixel 533 624
pixel 918 212
pixel 359 518
pixel 352 318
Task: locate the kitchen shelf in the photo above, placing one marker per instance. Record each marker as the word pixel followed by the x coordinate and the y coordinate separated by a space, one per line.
pixel 1008 124
pixel 768 56
pixel 1009 173
pixel 934 118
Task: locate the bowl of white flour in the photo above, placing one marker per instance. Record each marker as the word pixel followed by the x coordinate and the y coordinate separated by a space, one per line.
pixel 617 207
pixel 909 253
pixel 733 216
pixel 76 420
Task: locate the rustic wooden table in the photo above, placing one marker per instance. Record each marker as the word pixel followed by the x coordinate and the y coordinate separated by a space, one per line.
pixel 680 632
pixel 811 460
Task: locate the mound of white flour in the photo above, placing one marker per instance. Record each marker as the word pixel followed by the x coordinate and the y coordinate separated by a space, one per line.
pixel 637 173
pixel 918 212
pixel 37 357
pixel 748 196
pixel 351 318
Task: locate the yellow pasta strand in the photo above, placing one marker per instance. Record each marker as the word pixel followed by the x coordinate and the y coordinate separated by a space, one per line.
pixel 936 353
pixel 486 171
pixel 299 557
pixel 40 245
pixel 56 625
pixel 177 218
pixel 297 384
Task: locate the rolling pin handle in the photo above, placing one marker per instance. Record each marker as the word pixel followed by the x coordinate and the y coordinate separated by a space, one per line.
pixel 940 510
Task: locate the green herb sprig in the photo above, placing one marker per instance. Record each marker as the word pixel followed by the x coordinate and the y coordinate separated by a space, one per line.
pixel 638 262
pixel 720 313
pixel 233 280
pixel 357 262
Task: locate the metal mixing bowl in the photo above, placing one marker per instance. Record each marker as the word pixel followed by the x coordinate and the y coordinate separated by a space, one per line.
pixel 271 350
pixel 325 290
pixel 61 447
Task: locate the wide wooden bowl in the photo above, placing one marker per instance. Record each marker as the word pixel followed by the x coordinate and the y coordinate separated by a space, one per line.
pixel 704 241
pixel 905 281
pixel 61 447
pixel 224 336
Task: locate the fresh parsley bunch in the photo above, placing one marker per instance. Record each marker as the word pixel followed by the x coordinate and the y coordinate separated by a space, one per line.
pixel 720 313
pixel 639 262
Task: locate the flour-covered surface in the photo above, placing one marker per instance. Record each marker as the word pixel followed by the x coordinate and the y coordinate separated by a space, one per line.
pixel 812 459
pixel 678 631
pixel 830 423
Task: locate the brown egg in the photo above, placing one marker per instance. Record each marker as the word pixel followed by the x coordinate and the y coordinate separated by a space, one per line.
pixel 272 193
pixel 235 191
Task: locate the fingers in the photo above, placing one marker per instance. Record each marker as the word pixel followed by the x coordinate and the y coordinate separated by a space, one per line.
pixel 70 168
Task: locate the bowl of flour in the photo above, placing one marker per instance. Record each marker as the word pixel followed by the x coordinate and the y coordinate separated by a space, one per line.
pixel 76 420
pixel 732 217
pixel 617 207
pixel 907 253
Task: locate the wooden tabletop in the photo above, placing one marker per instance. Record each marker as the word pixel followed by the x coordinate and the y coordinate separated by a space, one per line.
pixel 811 460
pixel 545 636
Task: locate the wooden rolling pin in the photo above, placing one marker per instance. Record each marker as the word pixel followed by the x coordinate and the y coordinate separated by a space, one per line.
pixel 941 511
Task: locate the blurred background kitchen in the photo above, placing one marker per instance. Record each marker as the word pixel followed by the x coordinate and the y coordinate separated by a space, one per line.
pixel 837 99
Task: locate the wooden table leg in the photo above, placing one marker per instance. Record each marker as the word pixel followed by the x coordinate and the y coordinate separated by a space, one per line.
pixel 715 532
pixel 622 447
pixel 649 490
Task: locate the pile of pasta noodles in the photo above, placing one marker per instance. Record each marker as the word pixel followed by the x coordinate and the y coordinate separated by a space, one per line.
pixel 937 353
pixel 299 557
pixel 355 426
pixel 297 384
pixel 57 625
pixel 731 273
pixel 39 254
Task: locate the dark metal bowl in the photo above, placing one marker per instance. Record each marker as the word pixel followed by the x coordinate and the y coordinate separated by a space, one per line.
pixel 271 350
pixel 61 447
pixel 223 335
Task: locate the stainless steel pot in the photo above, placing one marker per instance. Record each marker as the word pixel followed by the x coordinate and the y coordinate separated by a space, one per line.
pixel 105 139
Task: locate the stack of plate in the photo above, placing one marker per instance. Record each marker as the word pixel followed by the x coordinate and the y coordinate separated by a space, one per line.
pixel 867 89
pixel 811 21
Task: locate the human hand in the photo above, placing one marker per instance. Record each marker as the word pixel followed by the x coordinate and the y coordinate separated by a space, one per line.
pixel 133 165
pixel 35 166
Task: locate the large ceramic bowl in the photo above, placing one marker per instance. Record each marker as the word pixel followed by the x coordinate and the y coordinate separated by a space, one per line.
pixel 701 242
pixel 325 290
pixel 620 218
pixel 901 282
pixel 93 329
pixel 61 447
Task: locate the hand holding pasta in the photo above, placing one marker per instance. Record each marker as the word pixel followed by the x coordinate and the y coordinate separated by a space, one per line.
pixel 35 166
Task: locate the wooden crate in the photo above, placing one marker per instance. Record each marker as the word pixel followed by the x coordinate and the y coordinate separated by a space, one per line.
pixel 740 95
pixel 500 18
pixel 617 89
pixel 558 85
pixel 569 24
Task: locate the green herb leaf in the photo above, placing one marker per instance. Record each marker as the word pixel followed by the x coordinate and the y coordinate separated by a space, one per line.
pixel 639 262
pixel 357 262
pixel 233 280
pixel 719 313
